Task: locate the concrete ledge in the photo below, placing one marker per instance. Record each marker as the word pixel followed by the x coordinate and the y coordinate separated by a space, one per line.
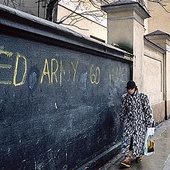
pixel 101 159
pixel 38 29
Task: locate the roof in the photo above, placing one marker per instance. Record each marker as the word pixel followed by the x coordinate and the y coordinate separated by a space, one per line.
pixel 121 5
pixel 157 35
pixel 158 38
pixel 124 1
pixel 158 32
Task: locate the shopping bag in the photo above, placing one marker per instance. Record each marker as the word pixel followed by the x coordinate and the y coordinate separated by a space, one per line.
pixel 149 145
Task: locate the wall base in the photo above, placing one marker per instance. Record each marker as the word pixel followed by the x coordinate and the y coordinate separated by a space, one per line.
pixel 101 159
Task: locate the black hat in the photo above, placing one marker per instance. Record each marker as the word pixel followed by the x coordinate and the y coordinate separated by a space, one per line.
pixel 131 84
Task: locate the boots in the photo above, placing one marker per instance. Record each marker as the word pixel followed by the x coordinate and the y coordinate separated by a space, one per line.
pixel 127 161
pixel 139 159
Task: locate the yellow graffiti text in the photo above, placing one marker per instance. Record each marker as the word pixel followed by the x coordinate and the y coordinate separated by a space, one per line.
pixel 54 71
pixel 116 74
pixel 20 57
pixel 9 66
pixel 74 69
pixel 94 74
pixel 45 72
pixel 7 53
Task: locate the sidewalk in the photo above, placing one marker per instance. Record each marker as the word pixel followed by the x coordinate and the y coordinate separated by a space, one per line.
pixel 160 160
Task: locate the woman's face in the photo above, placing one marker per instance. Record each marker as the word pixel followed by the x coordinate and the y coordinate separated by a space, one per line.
pixel 131 91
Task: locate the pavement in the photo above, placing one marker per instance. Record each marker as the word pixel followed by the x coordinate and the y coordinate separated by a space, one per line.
pixel 159 160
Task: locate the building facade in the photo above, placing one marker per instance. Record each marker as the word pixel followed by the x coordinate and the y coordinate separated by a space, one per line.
pixel 73 15
pixel 158 10
pixel 151 52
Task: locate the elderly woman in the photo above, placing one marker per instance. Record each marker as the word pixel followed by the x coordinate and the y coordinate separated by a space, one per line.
pixel 135 116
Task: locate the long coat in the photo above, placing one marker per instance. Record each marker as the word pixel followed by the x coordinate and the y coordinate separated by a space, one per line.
pixel 136 116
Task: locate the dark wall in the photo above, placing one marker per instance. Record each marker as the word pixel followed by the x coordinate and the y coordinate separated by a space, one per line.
pixel 59 101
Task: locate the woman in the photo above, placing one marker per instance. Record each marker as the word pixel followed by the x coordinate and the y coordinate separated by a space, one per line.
pixel 135 116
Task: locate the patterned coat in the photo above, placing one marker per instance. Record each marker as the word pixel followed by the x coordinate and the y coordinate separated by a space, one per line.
pixel 136 115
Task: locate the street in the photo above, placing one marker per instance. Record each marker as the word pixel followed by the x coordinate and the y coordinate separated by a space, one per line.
pixel 159 160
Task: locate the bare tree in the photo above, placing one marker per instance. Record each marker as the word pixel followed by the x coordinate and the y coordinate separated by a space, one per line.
pixel 82 8
pixel 75 15
pixel 161 4
pixel 88 8
pixel 12 3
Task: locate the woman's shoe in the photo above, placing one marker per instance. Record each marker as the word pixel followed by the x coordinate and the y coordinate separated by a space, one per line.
pixel 139 159
pixel 126 162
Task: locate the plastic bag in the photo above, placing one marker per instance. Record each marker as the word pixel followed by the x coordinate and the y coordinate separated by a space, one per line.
pixel 149 145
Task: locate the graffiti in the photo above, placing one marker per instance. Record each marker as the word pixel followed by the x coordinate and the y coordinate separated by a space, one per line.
pixel 7 53
pixel 9 66
pixel 54 71
pixel 94 75
pixel 45 72
pixel 20 57
pixel 5 66
pixel 116 74
pixel 74 69
pixel 57 71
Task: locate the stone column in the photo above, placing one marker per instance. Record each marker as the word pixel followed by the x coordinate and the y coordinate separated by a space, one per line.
pixel 125 28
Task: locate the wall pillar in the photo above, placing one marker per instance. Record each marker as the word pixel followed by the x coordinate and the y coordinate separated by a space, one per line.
pixel 125 24
pixel 162 39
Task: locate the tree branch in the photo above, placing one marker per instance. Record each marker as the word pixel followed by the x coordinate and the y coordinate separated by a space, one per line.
pixel 161 4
